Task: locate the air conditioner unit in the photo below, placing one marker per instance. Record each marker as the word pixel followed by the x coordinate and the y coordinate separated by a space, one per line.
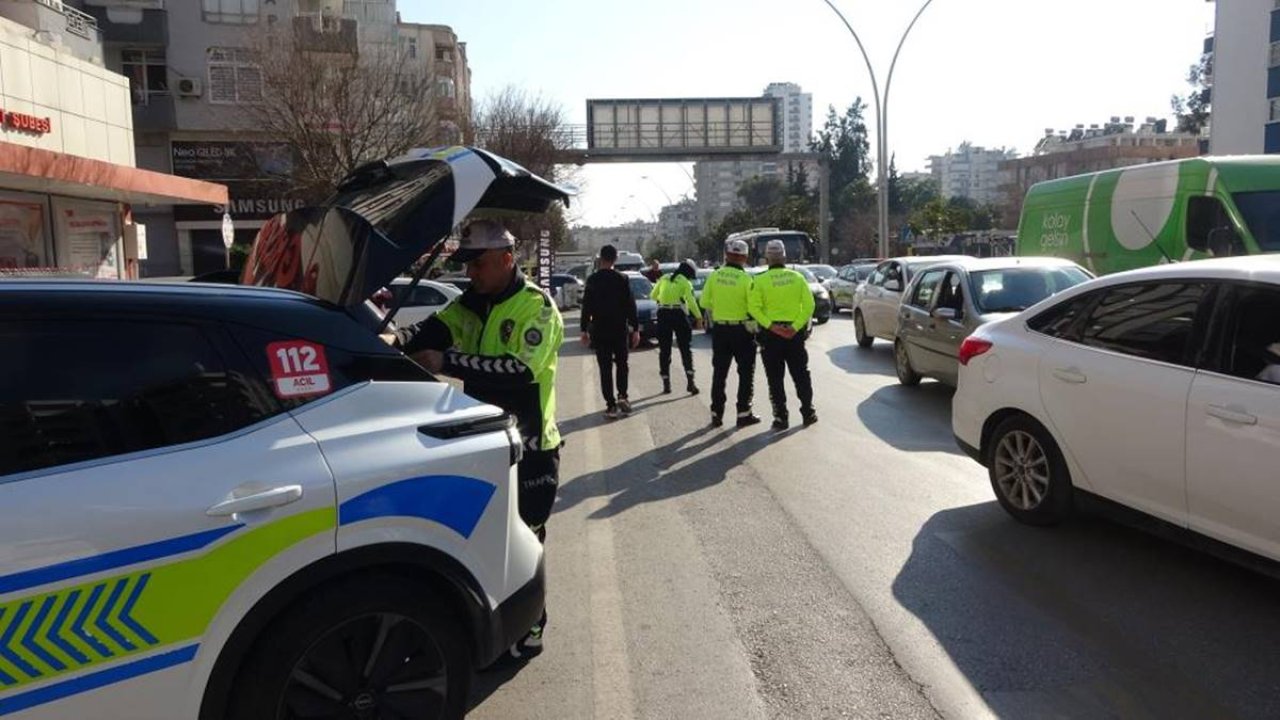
pixel 190 87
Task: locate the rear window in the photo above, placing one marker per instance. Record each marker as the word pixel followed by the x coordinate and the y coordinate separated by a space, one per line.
pixel 1016 289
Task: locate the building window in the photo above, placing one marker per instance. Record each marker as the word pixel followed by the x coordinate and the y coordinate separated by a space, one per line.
pixel 442 53
pixel 232 12
pixel 147 73
pixel 444 87
pixel 234 77
pixel 411 48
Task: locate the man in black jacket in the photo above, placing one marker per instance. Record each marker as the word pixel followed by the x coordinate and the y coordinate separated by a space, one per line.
pixel 610 325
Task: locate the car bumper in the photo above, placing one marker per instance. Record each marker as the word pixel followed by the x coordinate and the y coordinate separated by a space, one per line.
pixel 822 308
pixel 513 618
pixel 969 450
pixel 649 329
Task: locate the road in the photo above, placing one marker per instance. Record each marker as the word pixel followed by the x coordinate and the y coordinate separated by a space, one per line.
pixel 856 568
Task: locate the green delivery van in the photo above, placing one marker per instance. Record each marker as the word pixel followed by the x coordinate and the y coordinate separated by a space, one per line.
pixel 1156 213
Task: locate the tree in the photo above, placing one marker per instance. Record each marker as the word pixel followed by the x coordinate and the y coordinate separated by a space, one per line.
pixel 844 143
pixel 336 109
pixel 530 130
pixel 939 218
pixel 759 194
pixel 1193 109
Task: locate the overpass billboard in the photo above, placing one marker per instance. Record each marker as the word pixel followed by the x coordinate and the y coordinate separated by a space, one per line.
pixel 684 126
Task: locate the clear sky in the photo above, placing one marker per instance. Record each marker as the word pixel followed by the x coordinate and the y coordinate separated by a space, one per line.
pixel 992 72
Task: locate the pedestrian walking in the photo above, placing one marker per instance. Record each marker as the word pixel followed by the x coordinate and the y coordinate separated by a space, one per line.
pixel 725 296
pixel 611 327
pixel 501 338
pixel 678 315
pixel 782 305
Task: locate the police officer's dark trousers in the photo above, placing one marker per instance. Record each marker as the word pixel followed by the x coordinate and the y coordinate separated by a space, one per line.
pixel 732 344
pixel 674 321
pixel 611 354
pixel 780 356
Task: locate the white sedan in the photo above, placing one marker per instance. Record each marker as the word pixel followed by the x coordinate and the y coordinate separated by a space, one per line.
pixel 876 301
pixel 1157 390
pixel 426 299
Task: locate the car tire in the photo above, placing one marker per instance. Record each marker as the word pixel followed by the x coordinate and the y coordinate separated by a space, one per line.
pixel 907 375
pixel 860 331
pixel 405 638
pixel 822 319
pixel 1028 473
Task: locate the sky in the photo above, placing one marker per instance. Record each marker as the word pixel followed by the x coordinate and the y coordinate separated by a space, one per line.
pixel 996 73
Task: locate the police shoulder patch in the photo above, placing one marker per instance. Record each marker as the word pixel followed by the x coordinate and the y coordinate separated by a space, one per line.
pixel 532 337
pixel 508 327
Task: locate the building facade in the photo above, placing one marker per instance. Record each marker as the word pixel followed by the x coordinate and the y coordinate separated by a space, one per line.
pixel 194 78
pixel 1245 116
pixel 69 181
pixel 678 225
pixel 632 237
pixel 1081 150
pixel 443 59
pixel 717 182
pixel 970 171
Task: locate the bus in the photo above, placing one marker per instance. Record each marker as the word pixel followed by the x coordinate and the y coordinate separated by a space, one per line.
pixel 1163 212
pixel 801 248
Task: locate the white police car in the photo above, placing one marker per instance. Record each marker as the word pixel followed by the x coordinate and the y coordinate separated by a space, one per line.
pixel 237 502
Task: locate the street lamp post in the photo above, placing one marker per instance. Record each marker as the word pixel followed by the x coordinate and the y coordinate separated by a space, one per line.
pixel 882 121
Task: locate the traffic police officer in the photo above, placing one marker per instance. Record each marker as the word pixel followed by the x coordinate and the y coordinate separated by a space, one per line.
pixel 677 307
pixel 725 297
pixel 782 305
pixel 501 338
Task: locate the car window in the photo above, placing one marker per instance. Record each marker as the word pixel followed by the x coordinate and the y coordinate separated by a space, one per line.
pixel 951 293
pixel 893 271
pixel 640 287
pixel 1016 289
pixel 97 388
pixel 1253 347
pixel 926 289
pixel 1152 321
pixel 878 275
pixel 1060 320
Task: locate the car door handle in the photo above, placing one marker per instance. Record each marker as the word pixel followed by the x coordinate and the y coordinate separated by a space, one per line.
pixel 1231 415
pixel 272 497
pixel 1070 375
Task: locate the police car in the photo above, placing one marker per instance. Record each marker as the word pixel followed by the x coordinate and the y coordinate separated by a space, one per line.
pixel 239 502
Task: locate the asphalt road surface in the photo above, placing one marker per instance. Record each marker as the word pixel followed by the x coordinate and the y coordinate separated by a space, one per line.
pixel 856 568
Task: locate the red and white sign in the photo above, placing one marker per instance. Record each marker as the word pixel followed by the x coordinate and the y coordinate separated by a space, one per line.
pixel 298 369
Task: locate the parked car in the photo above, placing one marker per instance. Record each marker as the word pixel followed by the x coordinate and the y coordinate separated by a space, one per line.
pixel 821 298
pixel 1154 389
pixel 876 301
pixel 462 282
pixel 845 282
pixel 646 307
pixel 700 282
pixel 566 290
pixel 948 301
pixel 424 300
pixel 822 272
pixel 239 485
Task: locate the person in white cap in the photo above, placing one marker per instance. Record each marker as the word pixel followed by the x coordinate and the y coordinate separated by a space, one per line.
pixel 782 305
pixel 725 298
pixel 501 338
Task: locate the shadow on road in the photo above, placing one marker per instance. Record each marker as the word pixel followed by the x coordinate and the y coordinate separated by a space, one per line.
pixel 647 478
pixel 1093 619
pixel 875 360
pixel 913 419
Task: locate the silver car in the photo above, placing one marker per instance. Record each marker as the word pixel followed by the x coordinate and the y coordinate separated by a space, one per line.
pixel 946 302
pixel 876 301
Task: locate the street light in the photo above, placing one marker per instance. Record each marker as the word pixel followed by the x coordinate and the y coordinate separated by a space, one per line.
pixel 882 120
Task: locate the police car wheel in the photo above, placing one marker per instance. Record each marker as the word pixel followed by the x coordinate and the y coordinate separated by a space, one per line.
pixel 369 647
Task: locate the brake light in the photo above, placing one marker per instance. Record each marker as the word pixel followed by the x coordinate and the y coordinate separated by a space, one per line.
pixel 971 348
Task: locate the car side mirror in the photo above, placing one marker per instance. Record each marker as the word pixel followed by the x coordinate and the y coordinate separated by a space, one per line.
pixel 1222 242
pixel 946 313
pixel 893 285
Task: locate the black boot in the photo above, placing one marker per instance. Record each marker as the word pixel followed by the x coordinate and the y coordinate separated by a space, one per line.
pixel 747 420
pixel 809 415
pixel 692 388
pixel 666 385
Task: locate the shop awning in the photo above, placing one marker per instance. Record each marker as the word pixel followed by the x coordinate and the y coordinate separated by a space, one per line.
pixel 43 171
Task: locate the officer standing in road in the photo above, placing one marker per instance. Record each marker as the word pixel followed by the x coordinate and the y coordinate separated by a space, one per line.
pixel 501 338
pixel 725 297
pixel 677 308
pixel 782 305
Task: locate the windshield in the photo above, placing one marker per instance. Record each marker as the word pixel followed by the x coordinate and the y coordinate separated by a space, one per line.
pixel 796 243
pixel 823 272
pixel 806 272
pixel 640 287
pixel 1261 211
pixel 1016 289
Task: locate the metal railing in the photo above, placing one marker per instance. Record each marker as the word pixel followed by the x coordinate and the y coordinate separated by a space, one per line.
pixel 78 23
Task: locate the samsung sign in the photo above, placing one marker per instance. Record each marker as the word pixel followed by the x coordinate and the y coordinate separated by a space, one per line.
pixel 252 171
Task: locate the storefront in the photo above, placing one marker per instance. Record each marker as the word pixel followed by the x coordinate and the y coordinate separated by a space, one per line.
pixel 61 214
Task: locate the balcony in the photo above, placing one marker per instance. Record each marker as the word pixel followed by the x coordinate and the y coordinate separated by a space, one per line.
pixel 326 34
pixel 152 27
pixel 157 115
pixel 57 24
